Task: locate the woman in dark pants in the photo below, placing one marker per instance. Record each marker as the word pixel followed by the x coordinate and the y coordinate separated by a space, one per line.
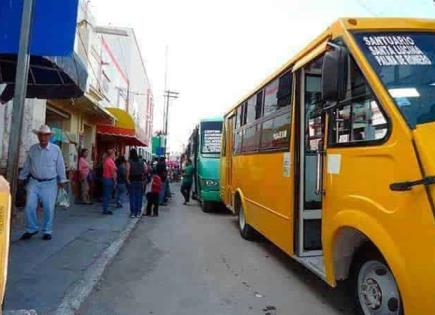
pixel 135 182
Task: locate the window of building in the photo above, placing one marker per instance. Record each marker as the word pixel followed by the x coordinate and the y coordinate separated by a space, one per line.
pixel 359 117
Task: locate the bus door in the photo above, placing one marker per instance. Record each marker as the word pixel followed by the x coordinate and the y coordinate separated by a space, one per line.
pixel 195 160
pixel 309 163
pixel 229 128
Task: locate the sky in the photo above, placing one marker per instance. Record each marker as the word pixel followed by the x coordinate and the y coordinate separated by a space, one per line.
pixel 218 51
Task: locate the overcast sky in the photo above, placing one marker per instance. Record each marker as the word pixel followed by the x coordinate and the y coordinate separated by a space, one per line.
pixel 220 50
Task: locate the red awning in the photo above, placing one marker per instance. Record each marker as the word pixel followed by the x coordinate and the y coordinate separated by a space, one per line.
pixel 124 130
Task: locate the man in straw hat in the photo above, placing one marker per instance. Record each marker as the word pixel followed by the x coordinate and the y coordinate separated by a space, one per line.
pixel 45 170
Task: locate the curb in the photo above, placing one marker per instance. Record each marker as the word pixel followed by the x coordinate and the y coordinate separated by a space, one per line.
pixel 80 290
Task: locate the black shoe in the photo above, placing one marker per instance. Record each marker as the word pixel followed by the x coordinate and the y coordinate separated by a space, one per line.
pixel 27 236
pixel 47 237
pixel 147 214
pixel 107 212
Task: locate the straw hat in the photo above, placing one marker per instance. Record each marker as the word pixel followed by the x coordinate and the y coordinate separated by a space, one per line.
pixel 44 129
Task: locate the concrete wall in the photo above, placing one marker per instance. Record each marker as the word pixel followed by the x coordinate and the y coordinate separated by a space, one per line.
pixel 34 116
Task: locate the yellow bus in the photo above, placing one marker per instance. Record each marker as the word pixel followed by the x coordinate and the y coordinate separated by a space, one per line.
pixel 332 158
pixel 5 218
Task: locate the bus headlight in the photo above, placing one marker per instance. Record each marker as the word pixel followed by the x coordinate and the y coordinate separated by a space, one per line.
pixel 209 182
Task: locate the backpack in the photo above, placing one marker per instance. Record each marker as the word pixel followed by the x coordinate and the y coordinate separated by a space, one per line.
pixel 137 170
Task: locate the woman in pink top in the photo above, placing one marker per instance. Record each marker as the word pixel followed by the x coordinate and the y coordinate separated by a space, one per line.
pixel 84 170
pixel 109 179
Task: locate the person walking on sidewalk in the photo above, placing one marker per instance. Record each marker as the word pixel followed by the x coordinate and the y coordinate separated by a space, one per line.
pixel 153 196
pixel 186 184
pixel 135 181
pixel 109 180
pixel 84 171
pixel 162 171
pixel 45 171
pixel 121 187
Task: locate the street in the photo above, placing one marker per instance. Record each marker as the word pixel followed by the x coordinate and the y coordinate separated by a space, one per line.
pixel 189 262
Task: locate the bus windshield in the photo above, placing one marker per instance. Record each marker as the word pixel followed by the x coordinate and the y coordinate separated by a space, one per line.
pixel 211 136
pixel 405 63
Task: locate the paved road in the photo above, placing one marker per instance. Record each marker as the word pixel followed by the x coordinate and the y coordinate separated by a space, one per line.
pixel 186 262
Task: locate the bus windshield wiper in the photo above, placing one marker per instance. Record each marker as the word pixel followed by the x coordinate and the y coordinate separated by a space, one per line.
pixel 405 186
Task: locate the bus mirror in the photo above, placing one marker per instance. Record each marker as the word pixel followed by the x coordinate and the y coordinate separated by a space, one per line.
pixel 334 74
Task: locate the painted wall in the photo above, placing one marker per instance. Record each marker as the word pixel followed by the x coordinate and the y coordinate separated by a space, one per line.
pixel 34 116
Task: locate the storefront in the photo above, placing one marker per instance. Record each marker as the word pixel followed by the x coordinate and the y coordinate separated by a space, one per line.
pixel 119 136
pixel 74 123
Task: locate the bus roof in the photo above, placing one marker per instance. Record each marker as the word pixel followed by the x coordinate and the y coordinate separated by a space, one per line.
pixel 339 27
pixel 211 118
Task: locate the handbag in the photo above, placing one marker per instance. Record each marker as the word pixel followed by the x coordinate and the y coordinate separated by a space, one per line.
pixel 62 199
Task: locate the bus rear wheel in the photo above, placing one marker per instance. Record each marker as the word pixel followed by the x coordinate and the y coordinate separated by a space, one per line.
pixel 246 231
pixel 375 290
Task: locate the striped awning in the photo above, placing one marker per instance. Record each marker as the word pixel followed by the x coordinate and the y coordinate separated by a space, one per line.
pixel 123 130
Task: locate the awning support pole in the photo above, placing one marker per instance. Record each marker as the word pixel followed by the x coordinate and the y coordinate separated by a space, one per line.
pixel 19 97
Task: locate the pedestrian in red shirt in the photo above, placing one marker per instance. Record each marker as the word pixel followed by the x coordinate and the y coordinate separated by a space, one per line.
pixel 109 179
pixel 153 196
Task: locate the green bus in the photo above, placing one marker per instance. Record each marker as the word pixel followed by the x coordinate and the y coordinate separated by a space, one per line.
pixel 204 150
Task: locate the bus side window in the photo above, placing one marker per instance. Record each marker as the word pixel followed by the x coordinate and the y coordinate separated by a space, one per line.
pixel 237 141
pixel 238 117
pixel 259 105
pixel 285 90
pixel 358 118
pixel 251 109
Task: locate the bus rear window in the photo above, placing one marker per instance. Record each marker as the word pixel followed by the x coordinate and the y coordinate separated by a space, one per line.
pixel 211 137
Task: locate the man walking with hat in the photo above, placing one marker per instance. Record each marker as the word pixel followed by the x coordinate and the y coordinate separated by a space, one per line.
pixel 45 171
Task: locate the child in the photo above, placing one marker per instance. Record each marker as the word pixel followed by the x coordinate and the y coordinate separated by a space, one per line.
pixel 153 196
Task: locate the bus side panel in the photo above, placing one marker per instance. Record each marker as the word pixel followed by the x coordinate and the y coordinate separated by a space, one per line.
pixel 208 168
pixel 226 166
pixel 405 227
pixel 268 196
pixel 223 180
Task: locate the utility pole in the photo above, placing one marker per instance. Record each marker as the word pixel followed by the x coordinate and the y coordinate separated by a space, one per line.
pixel 20 93
pixel 168 95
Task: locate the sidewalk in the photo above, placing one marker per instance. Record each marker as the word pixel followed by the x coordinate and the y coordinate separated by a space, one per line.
pixel 41 273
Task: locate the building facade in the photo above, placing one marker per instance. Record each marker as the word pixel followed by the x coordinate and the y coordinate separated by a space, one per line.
pixel 116 79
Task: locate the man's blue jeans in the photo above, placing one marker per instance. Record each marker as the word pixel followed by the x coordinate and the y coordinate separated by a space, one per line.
pixel 136 197
pixel 107 193
pixel 46 192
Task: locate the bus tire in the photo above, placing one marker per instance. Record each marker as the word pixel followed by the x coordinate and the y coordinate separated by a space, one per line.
pixel 206 206
pixel 373 287
pixel 246 231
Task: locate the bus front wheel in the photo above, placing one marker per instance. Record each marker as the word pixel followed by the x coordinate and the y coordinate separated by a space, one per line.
pixel 246 231
pixel 375 290
pixel 206 206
